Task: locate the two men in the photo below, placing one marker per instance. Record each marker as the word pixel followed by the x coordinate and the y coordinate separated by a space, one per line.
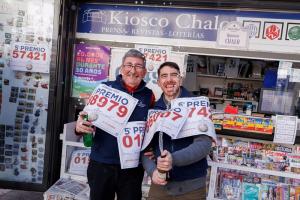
pixel 184 159
pixel 105 176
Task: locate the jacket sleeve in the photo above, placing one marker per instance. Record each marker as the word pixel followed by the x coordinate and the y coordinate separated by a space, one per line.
pixel 196 151
pixel 148 164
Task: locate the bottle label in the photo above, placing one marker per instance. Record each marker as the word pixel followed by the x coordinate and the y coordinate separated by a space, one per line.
pixel 162 175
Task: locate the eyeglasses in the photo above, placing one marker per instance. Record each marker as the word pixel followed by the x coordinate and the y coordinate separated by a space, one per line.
pixel 129 66
pixel 172 76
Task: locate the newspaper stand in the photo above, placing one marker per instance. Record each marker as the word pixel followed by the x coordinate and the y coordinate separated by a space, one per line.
pixel 243 171
pixel 73 181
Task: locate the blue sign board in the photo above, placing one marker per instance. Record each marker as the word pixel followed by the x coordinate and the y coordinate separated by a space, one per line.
pixel 158 22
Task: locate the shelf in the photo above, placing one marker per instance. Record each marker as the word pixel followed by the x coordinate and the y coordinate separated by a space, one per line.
pixel 254 170
pixel 245 134
pixel 224 99
pixel 75 144
pixel 74 177
pixel 231 78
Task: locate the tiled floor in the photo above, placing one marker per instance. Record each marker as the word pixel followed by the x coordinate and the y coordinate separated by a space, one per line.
pixel 20 195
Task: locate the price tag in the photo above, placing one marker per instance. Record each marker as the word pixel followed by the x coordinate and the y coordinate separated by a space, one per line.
pixel 79 162
pixel 199 117
pixel 110 108
pixel 30 57
pixel 130 142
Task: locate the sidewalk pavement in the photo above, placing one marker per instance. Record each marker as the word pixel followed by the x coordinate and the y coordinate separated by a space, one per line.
pixel 20 195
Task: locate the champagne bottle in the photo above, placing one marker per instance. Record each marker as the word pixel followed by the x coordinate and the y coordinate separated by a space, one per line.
pixel 87 137
pixel 161 173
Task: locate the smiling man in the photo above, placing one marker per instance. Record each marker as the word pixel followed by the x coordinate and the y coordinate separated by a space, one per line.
pixel 105 176
pixel 183 159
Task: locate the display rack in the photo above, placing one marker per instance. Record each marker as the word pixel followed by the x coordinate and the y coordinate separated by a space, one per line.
pixel 230 78
pixel 215 166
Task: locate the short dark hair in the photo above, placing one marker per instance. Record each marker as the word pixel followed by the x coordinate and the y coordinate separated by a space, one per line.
pixel 170 64
pixel 134 53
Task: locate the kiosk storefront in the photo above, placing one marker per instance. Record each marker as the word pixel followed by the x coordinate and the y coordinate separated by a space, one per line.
pixel 244 58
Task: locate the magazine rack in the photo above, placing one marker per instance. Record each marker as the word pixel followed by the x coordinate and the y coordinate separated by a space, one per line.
pixel 215 181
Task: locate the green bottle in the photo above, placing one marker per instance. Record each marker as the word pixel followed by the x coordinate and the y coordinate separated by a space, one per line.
pixel 88 137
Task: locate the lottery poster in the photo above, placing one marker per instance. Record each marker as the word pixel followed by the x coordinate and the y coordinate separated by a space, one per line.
pixel 109 109
pixel 198 121
pixel 129 144
pixel 90 67
pixel 30 57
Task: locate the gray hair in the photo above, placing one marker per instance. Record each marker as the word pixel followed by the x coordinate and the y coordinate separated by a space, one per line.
pixel 134 53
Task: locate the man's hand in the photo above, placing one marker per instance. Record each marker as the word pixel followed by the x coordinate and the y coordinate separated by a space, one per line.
pixel 83 126
pixel 156 178
pixel 165 161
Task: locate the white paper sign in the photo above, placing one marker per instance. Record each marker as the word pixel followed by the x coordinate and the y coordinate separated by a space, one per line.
pixel 151 127
pixel 199 118
pixel 173 120
pixel 30 57
pixel 233 35
pixel 285 129
pixel 295 75
pixel 110 108
pixel 79 162
pixel 155 55
pixel 130 142
pixel 167 121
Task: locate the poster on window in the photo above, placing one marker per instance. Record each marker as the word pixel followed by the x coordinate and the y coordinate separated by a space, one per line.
pixel 89 69
pixel 30 57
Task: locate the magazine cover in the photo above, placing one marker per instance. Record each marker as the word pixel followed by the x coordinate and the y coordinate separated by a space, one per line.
pixel 268 190
pixel 251 188
pixel 231 186
pixel 251 191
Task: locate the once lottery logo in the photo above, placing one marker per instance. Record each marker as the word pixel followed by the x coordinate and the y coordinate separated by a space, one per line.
pixel 273 32
pixel 294 33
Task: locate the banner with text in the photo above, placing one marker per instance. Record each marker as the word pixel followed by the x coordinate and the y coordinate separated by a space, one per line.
pixel 207 28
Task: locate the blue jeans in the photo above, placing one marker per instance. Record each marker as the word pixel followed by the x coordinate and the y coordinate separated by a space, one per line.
pixel 106 180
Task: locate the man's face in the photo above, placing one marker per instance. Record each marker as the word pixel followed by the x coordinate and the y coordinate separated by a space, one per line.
pixel 133 71
pixel 169 81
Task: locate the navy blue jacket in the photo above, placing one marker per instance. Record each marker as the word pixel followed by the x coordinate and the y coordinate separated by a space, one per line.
pixel 105 147
pixel 192 171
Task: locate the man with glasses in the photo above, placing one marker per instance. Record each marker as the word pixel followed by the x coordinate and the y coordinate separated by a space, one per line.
pixel 105 176
pixel 184 159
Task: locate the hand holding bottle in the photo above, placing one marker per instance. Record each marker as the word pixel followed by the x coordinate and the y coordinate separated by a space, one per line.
pixel 84 124
pixel 157 179
pixel 165 161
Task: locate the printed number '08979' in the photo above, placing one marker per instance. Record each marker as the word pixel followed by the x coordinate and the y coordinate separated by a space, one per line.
pixel 102 102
